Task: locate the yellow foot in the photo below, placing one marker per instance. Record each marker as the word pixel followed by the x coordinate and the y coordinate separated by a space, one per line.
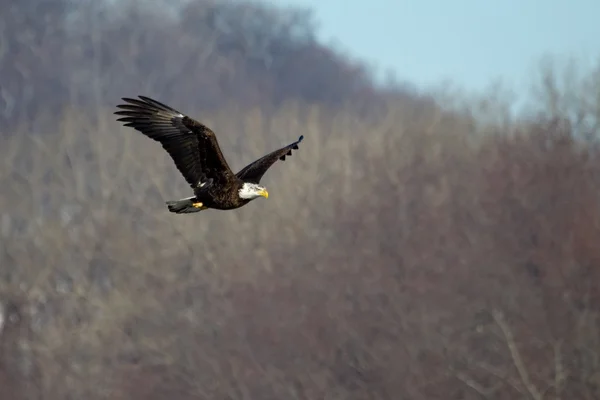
pixel 198 205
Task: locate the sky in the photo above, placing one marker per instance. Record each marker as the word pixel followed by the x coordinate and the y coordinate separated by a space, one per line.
pixel 470 42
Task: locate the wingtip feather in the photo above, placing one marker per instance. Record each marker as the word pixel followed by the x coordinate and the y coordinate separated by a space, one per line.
pixel 295 145
pixel 128 99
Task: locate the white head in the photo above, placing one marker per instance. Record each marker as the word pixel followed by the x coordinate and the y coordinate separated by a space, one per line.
pixel 251 191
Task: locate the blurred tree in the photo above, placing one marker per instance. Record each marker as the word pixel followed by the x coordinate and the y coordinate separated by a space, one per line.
pixel 203 53
pixel 32 67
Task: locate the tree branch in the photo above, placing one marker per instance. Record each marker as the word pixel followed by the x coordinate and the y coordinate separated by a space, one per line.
pixel 516 356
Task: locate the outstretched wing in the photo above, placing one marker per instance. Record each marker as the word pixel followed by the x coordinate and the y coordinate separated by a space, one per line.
pixel 192 146
pixel 254 171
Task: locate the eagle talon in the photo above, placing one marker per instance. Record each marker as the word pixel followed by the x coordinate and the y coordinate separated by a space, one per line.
pixel 198 205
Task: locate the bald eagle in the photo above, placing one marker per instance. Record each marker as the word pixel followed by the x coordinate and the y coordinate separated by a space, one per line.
pixel 196 153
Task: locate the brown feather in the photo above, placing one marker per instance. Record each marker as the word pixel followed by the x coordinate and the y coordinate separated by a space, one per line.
pixel 255 170
pixel 192 146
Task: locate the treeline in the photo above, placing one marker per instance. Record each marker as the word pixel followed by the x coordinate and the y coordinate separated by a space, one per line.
pixel 204 54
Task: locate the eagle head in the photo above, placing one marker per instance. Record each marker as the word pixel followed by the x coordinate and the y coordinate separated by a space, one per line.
pixel 251 191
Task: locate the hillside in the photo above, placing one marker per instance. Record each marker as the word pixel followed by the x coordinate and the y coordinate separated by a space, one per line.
pixel 407 250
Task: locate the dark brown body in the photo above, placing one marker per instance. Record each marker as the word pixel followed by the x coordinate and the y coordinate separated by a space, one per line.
pixel 222 197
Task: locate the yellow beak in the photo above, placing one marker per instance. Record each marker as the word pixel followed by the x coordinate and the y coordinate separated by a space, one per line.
pixel 264 193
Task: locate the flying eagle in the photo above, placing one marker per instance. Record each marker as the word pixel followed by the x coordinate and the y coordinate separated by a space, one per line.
pixel 196 153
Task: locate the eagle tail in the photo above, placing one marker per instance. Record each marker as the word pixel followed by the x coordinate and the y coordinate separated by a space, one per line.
pixel 185 206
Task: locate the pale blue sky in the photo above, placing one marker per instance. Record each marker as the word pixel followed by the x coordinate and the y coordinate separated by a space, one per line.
pixel 468 41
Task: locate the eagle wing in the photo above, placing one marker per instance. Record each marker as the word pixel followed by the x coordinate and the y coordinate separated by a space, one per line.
pixel 253 172
pixel 192 146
